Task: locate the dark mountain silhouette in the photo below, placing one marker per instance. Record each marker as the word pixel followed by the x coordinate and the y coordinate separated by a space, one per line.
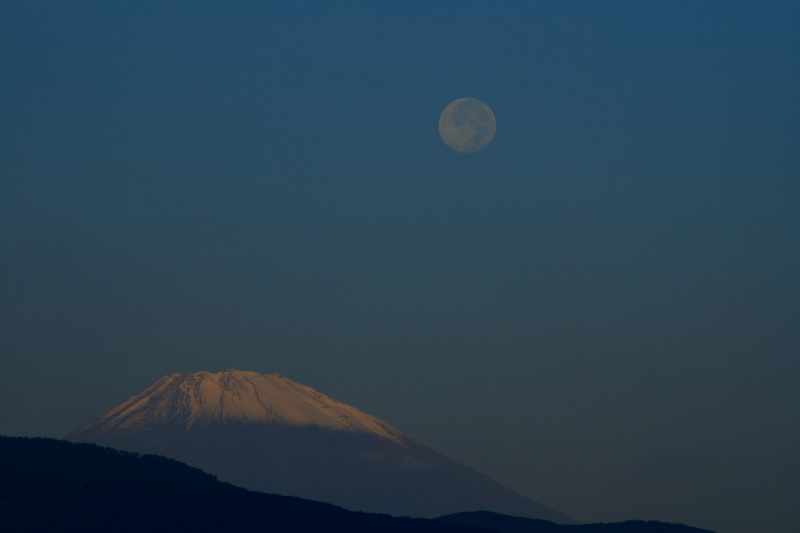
pixel 514 524
pixel 52 485
pixel 265 432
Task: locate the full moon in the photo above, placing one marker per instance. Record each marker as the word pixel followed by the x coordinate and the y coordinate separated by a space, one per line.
pixel 467 125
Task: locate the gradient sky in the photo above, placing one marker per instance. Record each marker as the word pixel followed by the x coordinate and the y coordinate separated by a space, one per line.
pixel 601 310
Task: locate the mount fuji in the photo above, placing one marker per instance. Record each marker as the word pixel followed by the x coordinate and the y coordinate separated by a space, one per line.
pixel 265 432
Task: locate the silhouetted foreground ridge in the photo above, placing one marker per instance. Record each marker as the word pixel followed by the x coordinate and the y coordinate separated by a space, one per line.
pixel 52 485
pixel 514 524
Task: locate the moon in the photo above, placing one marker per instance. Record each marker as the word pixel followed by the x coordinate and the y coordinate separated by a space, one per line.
pixel 467 125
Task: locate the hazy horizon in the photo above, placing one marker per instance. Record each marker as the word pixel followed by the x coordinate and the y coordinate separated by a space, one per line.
pixel 599 310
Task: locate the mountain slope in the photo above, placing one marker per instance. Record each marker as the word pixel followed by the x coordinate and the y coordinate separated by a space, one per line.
pixel 51 485
pixel 267 433
pixel 233 396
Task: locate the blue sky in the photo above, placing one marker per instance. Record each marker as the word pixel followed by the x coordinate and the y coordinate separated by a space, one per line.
pixel 600 310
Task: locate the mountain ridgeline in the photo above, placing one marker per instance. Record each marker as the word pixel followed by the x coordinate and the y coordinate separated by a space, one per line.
pixel 53 485
pixel 265 432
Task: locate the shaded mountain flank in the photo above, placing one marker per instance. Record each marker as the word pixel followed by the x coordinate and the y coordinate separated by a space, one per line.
pixel 53 485
pixel 265 432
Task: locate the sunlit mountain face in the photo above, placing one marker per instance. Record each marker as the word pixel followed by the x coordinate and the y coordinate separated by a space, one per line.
pixel 265 432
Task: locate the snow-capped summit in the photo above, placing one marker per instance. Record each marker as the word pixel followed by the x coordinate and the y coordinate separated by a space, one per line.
pixel 265 432
pixel 203 398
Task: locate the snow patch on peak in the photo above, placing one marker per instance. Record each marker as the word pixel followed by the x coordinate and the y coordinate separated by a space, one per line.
pixel 205 398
